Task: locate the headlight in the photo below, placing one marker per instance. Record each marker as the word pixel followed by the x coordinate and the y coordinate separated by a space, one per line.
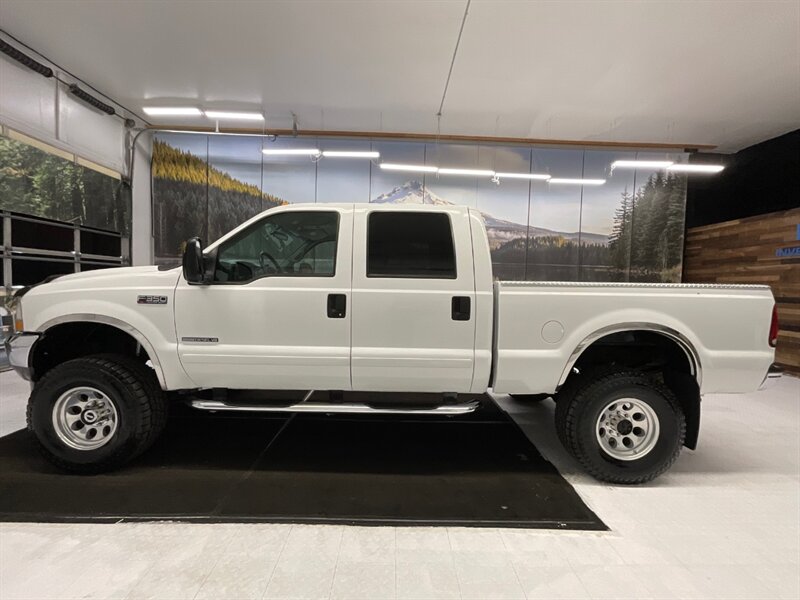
pixel 14 306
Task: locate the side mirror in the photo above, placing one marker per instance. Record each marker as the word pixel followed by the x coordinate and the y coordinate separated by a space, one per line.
pixel 193 263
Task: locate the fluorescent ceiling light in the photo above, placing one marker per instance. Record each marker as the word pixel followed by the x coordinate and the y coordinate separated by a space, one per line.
pixel 349 154
pixel 542 176
pixel 577 181
pixel 238 116
pixel 476 172
pixel 641 164
pixel 696 168
pixel 417 168
pixel 172 111
pixel 291 151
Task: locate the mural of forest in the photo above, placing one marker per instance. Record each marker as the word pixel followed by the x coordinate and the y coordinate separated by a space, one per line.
pixel 191 198
pixel 630 229
pixel 39 183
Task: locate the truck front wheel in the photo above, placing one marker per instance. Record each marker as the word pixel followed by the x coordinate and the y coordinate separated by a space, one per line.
pixel 96 413
pixel 623 427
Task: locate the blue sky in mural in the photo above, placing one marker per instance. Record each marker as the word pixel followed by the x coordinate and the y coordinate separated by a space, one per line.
pixel 240 157
pixel 343 179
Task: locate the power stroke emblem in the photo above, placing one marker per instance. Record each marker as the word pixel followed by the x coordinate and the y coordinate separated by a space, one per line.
pixel 200 340
pixel 151 300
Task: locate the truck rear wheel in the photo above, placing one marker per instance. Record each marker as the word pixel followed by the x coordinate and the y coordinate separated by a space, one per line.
pixel 623 427
pixel 96 413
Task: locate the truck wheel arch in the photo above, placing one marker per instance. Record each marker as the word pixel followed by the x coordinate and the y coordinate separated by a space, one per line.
pixel 685 384
pixel 680 340
pixel 95 319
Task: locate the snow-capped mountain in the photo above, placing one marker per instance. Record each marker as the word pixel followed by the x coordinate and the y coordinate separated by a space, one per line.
pixel 411 192
pixel 499 231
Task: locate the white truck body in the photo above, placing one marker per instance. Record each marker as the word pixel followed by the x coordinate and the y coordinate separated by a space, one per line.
pixel 397 334
pixel 253 326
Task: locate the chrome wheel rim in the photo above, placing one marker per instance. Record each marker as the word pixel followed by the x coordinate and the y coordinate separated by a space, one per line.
pixel 85 418
pixel 627 429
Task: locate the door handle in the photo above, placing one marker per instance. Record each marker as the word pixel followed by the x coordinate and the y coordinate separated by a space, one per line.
pixel 461 308
pixel 337 306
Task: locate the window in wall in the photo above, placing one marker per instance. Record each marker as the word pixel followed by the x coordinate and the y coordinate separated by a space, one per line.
pixel 41 180
pixel 288 244
pixel 410 244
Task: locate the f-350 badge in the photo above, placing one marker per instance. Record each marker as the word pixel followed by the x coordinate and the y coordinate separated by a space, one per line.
pixel 151 300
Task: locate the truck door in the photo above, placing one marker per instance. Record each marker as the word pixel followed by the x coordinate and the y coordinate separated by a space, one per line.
pixel 413 300
pixel 277 314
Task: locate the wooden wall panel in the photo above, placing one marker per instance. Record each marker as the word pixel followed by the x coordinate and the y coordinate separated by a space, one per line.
pixel 744 251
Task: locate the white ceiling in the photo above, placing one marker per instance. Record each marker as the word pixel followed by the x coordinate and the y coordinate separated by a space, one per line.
pixel 703 72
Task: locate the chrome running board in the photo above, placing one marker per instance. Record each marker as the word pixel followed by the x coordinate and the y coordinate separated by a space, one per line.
pixel 326 407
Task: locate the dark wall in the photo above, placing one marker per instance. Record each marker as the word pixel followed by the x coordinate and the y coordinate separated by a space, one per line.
pixel 760 179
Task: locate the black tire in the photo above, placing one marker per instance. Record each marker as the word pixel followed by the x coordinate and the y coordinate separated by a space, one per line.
pixel 130 385
pixel 583 406
pixel 562 403
pixel 574 383
pixel 159 405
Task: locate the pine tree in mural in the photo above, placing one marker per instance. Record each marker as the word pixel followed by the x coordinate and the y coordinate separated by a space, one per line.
pixel 619 242
pixel 192 198
pixel 647 235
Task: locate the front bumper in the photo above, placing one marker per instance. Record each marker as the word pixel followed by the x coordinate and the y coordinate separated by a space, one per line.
pixel 18 348
pixel 773 373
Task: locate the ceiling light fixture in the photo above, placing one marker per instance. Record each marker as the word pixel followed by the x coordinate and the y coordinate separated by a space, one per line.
pixel 695 168
pixel 641 164
pixel 172 111
pixel 401 167
pixel 541 176
pixel 291 151
pixel 577 181
pixel 236 116
pixel 349 154
pixel 475 172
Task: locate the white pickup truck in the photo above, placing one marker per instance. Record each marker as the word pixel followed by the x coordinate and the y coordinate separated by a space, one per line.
pixel 376 298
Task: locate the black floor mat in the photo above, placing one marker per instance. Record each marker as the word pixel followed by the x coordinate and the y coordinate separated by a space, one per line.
pixel 476 469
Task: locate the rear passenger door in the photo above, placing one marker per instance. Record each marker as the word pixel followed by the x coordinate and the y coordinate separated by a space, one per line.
pixel 413 325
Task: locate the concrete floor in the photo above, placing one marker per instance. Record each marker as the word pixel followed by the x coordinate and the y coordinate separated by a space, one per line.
pixel 723 523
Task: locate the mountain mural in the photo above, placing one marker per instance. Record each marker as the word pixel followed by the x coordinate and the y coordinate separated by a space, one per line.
pixel 191 197
pixel 499 231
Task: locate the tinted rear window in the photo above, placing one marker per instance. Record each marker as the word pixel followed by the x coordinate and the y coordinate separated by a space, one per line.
pixel 410 244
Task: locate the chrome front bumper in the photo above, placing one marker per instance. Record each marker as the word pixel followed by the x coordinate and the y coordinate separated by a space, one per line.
pixel 18 348
pixel 773 373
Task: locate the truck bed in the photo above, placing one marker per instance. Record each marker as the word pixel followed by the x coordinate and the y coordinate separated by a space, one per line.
pixel 541 328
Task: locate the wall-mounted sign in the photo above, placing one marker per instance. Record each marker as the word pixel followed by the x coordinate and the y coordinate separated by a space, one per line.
pixel 791 252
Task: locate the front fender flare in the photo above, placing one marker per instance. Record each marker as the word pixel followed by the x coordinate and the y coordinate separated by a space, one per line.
pixel 119 324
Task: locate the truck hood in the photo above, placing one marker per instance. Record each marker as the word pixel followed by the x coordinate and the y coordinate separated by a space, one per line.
pixel 144 278
pixel 118 272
